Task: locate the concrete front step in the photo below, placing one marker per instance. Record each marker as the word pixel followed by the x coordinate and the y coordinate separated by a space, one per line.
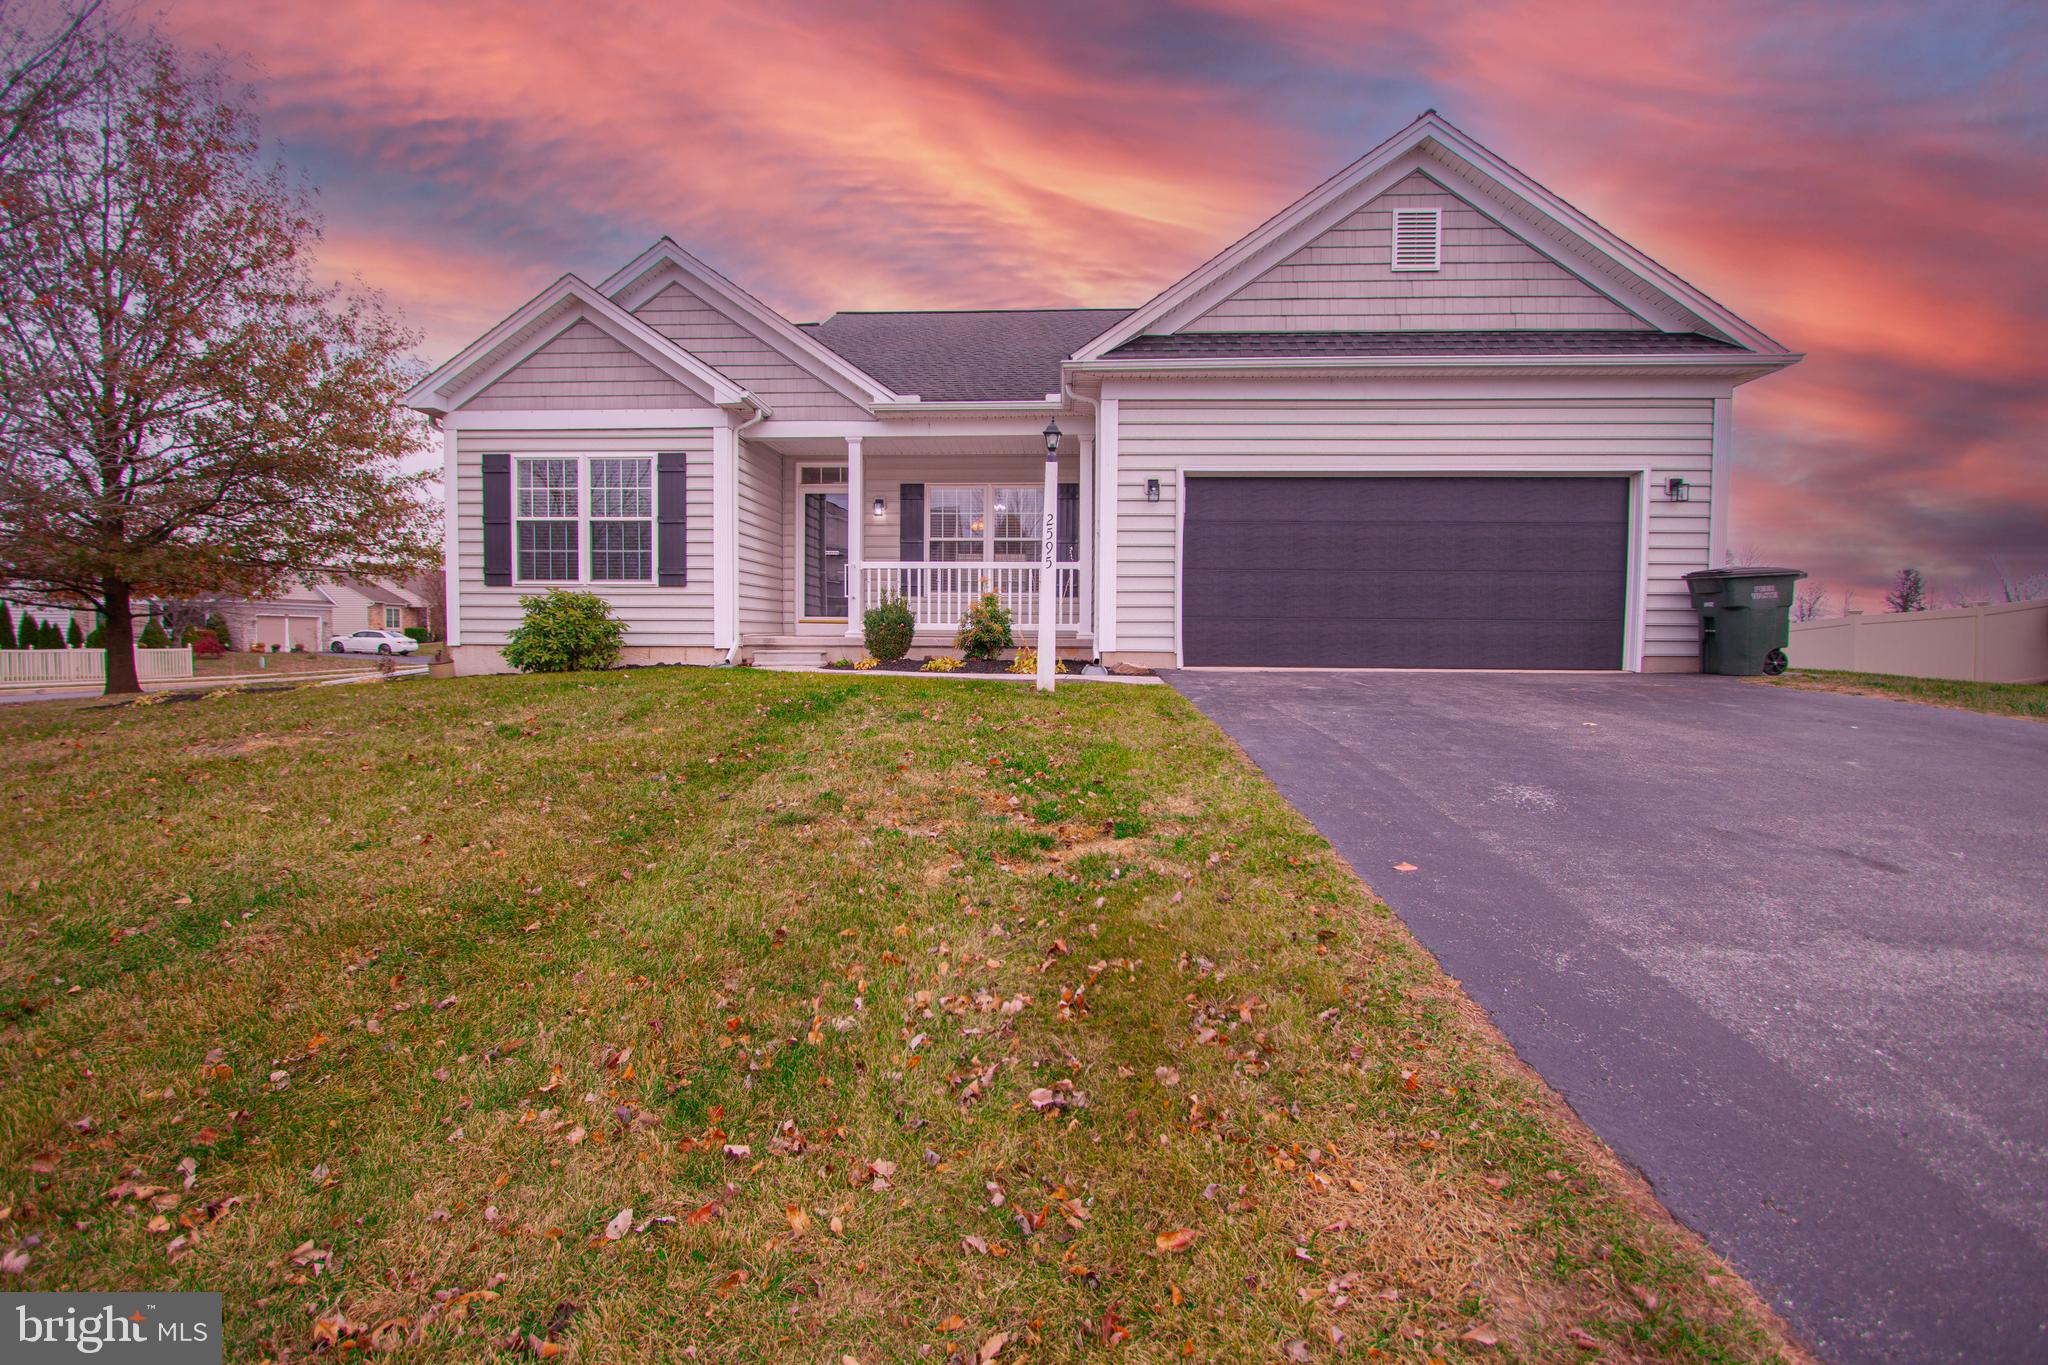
pixel 792 656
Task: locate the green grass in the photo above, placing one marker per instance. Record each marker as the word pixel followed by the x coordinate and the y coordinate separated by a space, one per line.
pixel 428 981
pixel 2029 700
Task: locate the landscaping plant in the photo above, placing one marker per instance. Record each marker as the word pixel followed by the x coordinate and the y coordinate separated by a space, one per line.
pixel 1026 662
pixel 562 632
pixel 941 663
pixel 985 629
pixel 7 636
pixel 888 629
pixel 153 636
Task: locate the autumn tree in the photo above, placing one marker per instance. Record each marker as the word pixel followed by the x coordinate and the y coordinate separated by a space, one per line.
pixel 1809 601
pixel 1909 592
pixel 184 411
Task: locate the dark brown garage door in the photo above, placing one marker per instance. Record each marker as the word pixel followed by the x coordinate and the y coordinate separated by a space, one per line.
pixel 1368 572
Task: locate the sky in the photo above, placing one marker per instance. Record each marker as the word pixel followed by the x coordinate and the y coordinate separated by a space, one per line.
pixel 1867 182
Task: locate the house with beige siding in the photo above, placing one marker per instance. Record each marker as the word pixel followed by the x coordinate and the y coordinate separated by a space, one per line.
pixel 1427 416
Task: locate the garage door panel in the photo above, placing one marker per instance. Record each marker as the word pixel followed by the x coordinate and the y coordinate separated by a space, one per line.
pixel 1401 644
pixel 1399 595
pixel 1443 547
pixel 1405 572
pixel 1309 500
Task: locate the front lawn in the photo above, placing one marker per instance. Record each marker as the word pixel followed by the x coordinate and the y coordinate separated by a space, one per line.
pixel 742 1016
pixel 1993 699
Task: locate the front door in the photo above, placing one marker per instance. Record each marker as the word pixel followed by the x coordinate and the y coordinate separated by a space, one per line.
pixel 824 551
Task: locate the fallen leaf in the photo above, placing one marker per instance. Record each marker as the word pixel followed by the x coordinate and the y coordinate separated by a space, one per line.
pixel 953 1322
pixel 799 1221
pixel 1482 1337
pixel 1405 867
pixel 1581 1338
pixel 616 1229
pixel 14 1262
pixel 992 1348
pixel 1296 1350
pixel 1180 1239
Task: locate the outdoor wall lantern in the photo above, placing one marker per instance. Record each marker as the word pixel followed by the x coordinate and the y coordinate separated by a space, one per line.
pixel 879 510
pixel 1052 436
pixel 1677 489
pixel 1151 490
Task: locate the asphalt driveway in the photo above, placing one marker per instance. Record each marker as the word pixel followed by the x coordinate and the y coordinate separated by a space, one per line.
pixel 1787 952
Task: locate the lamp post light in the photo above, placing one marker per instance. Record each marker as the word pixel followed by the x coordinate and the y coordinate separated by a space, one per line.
pixel 1048 572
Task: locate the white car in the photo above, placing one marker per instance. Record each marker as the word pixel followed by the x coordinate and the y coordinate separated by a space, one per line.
pixel 373 642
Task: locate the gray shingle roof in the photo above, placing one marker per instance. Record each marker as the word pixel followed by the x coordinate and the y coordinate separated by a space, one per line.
pixel 990 356
pixel 1267 345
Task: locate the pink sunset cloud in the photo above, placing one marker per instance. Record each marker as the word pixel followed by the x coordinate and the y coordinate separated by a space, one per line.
pixel 1861 184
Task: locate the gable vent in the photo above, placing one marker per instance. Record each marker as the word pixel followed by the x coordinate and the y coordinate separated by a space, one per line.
pixel 1418 239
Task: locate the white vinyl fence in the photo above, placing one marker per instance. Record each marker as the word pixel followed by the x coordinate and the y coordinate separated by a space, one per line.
pixel 74 667
pixel 2003 642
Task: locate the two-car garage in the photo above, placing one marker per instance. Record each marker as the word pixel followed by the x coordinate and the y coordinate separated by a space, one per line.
pixel 1465 571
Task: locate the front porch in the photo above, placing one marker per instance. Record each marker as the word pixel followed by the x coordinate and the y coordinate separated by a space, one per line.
pixel 841 525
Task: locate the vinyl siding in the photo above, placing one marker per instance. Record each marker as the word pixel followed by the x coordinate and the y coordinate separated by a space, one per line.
pixel 765 575
pixel 655 616
pixel 583 368
pixel 1490 280
pixel 714 338
pixel 1159 438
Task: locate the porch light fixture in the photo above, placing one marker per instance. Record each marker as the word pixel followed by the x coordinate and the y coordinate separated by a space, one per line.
pixel 1151 490
pixel 1677 489
pixel 1052 436
pixel 879 510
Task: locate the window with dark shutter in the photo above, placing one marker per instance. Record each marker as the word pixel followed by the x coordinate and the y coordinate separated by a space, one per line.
pixel 672 513
pixel 497 520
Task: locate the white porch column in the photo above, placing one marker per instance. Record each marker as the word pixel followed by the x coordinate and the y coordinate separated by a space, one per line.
pixel 1105 555
pixel 1086 469
pixel 451 540
pixel 1049 571
pixel 856 535
pixel 725 545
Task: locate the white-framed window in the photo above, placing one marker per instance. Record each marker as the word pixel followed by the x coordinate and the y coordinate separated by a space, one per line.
pixel 622 519
pixel 583 519
pixel 956 523
pixel 394 618
pixel 983 523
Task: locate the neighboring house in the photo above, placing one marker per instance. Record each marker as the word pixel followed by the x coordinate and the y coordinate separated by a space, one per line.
pixel 373 604
pixel 1430 415
pixel 300 616
pixel 307 613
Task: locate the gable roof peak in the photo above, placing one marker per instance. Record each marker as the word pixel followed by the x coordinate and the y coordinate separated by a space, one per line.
pixel 628 286
pixel 533 324
pixel 1432 144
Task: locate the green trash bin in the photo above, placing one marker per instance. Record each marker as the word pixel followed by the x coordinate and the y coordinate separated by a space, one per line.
pixel 1745 619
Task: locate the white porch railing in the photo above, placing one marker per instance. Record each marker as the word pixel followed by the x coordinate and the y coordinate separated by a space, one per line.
pixel 30 667
pixel 940 594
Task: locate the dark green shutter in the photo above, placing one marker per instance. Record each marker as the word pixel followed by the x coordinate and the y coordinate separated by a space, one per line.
pixel 672 513
pixel 910 527
pixel 497 520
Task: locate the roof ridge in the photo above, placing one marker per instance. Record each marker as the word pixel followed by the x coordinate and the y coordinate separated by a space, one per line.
pixel 952 312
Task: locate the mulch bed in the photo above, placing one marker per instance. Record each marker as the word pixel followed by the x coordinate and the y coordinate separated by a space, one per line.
pixel 916 665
